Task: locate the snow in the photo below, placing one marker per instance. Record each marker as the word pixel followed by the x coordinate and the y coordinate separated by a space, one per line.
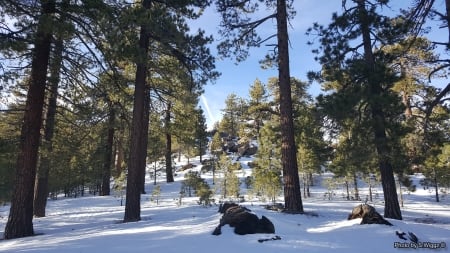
pixel 94 224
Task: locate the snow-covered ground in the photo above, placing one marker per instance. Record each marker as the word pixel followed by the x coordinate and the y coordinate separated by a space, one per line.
pixel 93 224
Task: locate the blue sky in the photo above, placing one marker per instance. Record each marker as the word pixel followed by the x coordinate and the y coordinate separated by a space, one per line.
pixel 238 78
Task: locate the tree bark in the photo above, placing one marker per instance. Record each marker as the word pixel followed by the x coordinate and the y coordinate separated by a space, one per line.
pixel 119 153
pixel 292 194
pixel 108 158
pixel 134 188
pixel 20 220
pixel 355 185
pixel 41 185
pixel 391 206
pixel 168 155
pixel 144 140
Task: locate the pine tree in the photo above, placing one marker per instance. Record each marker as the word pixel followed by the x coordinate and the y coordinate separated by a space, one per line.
pixel 267 180
pixel 156 193
pixel 240 32
pixel 258 108
pixel 20 220
pixel 372 74
pixel 201 136
pixel 165 24
pixel 230 122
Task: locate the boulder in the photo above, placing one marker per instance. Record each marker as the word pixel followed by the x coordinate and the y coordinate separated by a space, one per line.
pixel 187 166
pixel 243 220
pixel 368 214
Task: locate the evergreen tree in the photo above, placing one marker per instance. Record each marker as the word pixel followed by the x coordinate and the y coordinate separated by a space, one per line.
pixel 240 32
pixel 200 136
pixel 156 193
pixel 165 24
pixel 371 74
pixel 223 169
pixel 266 174
pixel 258 107
pixel 139 126
pixel 41 184
pixel 229 183
pixel 9 138
pixel 230 122
pixel 20 220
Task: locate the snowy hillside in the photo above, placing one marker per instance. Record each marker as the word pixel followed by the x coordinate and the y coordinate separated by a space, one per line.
pixel 93 224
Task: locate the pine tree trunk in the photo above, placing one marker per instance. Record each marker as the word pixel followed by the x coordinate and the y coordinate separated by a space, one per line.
pixel 134 187
pixel 169 172
pixel 120 154
pixel 392 207
pixel 20 220
pixel 41 185
pixel 400 191
pixel 144 140
pixel 436 186
pixel 347 189
pixel 108 158
pixel 292 195
pixel 355 185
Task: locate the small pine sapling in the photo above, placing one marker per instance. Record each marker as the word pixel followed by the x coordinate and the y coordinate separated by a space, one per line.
pixel 156 194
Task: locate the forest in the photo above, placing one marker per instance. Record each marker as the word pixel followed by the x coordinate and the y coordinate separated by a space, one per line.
pixel 93 92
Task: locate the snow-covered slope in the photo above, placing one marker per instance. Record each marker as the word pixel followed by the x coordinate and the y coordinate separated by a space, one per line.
pixel 93 224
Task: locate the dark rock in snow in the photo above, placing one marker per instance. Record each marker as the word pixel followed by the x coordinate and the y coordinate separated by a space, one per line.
pixel 368 214
pixel 243 221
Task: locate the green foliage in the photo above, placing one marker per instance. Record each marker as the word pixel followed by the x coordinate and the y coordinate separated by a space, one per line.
pixel 204 193
pixel 7 163
pixel 258 107
pixel 229 184
pixel 267 172
pixel 193 181
pixel 216 144
pixel 119 182
pixel 437 167
pixel 201 135
pixel 241 23
pixel 9 141
pixel 156 194
pixel 233 114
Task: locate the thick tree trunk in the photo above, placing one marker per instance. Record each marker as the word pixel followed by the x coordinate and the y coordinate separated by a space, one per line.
pixel 292 195
pixel 108 158
pixel 20 220
pixel 144 140
pixel 392 207
pixel 168 155
pixel 134 188
pixel 41 185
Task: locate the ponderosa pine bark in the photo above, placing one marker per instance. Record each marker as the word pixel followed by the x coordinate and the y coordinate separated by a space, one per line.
pixel 108 155
pixel 144 141
pixel 168 153
pixel 134 187
pixel 391 206
pixel 292 195
pixel 20 220
pixel 41 185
